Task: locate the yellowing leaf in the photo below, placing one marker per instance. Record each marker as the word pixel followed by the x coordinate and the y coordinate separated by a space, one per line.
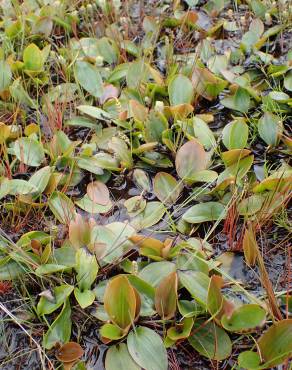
pixel 120 301
pixel 166 296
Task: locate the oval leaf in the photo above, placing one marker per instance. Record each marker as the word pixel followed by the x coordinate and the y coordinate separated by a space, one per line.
pixel 89 78
pixel 120 301
pixel 118 357
pixel 209 211
pixel 210 341
pixel 69 352
pixel 190 158
pixel 98 192
pixel 166 296
pixel 147 349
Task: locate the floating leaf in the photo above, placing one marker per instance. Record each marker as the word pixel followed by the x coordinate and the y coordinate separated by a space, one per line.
pixel 33 58
pixel 249 360
pixel 166 296
pixel 60 330
pixel 112 332
pixel 287 81
pixel 235 134
pixel 60 294
pixel 79 232
pixel 270 128
pixel 152 214
pixel 244 319
pixel 29 151
pixel 98 192
pixel 156 271
pixel 210 340
pixel 40 178
pixel 85 298
pixel 135 205
pixel 275 344
pixel 86 268
pixel 120 301
pixel 89 78
pixel 89 206
pixel 208 211
pixel 62 207
pixel 166 188
pixel 215 299
pixel 196 283
pixel 190 158
pixel 149 247
pixel 206 83
pixel 118 357
pixel 251 205
pixel 69 352
pixel 181 330
pixel 180 90
pixel 250 247
pixel 147 349
pixel 5 75
pixel 240 101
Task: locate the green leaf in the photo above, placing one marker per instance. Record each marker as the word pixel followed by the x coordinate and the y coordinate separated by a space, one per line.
pixel 86 268
pixel 62 207
pixel 203 133
pixel 108 49
pixel 95 112
pixel 181 330
pixel 152 214
pixel 250 205
pixel 120 301
pixel 89 78
pixel 270 128
pixel 166 188
pixel 196 283
pixel 244 318
pixel 89 206
pixel 180 90
pixel 10 270
pixel 29 151
pixel 111 331
pixel 190 158
pixel 240 101
pixel 156 271
pixel 60 294
pixel 146 292
pixel 41 178
pixel 21 187
pixel 275 344
pixel 50 268
pixel 20 95
pixel 287 81
pixel 235 134
pixel 5 75
pixel 147 349
pixel 202 212
pixel 33 58
pixel 210 340
pixel 249 360
pixel 118 357
pixel 60 330
pixel 85 298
